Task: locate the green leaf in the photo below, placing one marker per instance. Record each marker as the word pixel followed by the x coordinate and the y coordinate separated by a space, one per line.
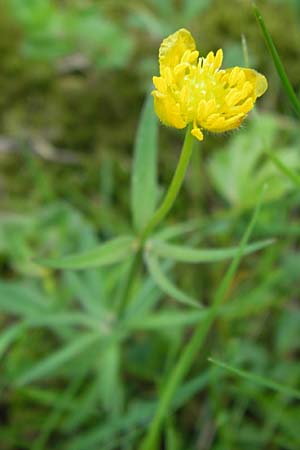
pixel 89 297
pixel 52 420
pixel 172 438
pixel 8 336
pixel 51 363
pixel 108 253
pixel 286 170
pixel 258 379
pixel 144 176
pixel 89 402
pixel 166 285
pixel 137 418
pixel 278 63
pixel 179 229
pixel 110 386
pixel 65 319
pixel 21 300
pixel 191 255
pixel 193 347
pixel 243 306
pixel 240 169
pixel 167 318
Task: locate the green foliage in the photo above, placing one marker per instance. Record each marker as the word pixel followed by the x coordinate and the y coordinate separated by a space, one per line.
pixel 242 167
pixel 109 253
pixel 53 32
pixel 75 373
pixel 265 382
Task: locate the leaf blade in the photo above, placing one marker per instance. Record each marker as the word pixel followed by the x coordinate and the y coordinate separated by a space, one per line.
pixel 277 62
pixel 144 176
pixel 182 253
pixel 166 285
pixel 108 253
pixel 57 359
pixel 22 300
pixel 9 335
pixel 257 379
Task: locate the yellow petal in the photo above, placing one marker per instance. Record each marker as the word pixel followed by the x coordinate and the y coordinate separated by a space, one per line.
pixel 174 46
pixel 258 81
pixel 261 85
pixel 168 110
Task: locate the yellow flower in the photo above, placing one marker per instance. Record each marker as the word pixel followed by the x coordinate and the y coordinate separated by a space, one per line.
pixel 194 89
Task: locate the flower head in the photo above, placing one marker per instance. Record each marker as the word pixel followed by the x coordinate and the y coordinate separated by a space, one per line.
pixel 193 89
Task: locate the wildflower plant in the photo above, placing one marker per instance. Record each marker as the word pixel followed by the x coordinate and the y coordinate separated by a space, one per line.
pixel 192 92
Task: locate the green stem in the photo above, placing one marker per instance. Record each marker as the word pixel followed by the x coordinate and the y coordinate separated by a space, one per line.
pixel 174 187
pixel 132 273
pixel 194 345
pixel 159 215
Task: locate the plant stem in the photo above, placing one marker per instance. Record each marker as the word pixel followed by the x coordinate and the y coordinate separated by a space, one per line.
pixel 132 273
pixel 160 214
pixel 194 345
pixel 174 187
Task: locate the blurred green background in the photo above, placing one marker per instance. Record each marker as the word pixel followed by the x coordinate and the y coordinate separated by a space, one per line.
pixel 73 78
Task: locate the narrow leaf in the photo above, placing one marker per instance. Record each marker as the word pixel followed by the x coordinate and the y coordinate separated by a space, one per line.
pixel 191 255
pixel 88 405
pixel 64 319
pixel 108 253
pixel 137 417
pixel 21 300
pixel 8 336
pixel 144 176
pixel 278 63
pixel 57 359
pixel 258 379
pixel 166 285
pixel 167 318
pixel 90 298
pixel 172 438
pixel 53 419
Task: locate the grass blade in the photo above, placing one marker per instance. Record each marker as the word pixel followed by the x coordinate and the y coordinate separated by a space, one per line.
pixel 257 379
pixel 278 63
